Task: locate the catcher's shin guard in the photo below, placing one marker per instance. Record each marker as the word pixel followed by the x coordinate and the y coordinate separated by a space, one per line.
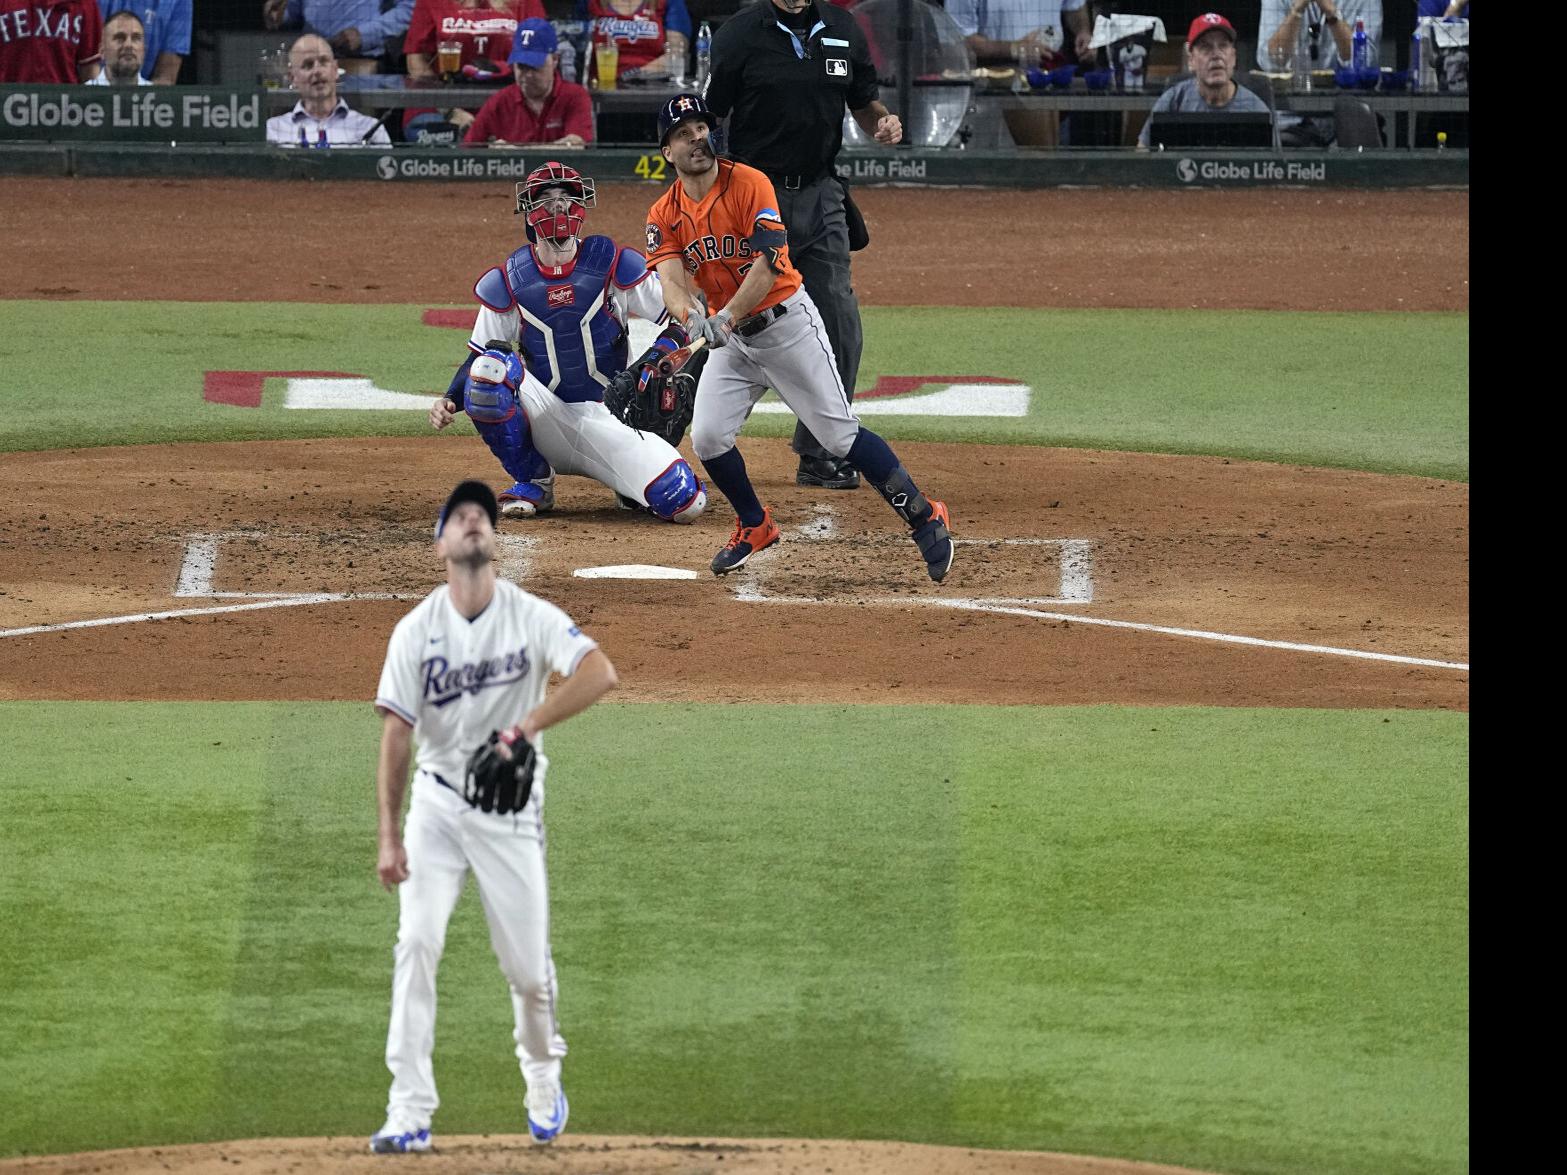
pixel 511 443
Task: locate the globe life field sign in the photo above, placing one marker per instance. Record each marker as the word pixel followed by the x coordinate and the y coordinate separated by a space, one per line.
pixel 201 114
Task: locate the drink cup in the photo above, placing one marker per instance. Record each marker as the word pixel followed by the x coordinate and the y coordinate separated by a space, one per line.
pixel 448 57
pixel 607 56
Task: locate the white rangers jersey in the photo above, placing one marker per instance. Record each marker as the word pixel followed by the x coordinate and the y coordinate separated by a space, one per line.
pixel 455 680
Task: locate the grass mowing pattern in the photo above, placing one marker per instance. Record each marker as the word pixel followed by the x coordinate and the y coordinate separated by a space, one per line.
pixel 1226 938
pixel 1381 392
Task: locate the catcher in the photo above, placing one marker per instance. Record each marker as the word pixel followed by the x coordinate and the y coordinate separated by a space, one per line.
pixel 569 402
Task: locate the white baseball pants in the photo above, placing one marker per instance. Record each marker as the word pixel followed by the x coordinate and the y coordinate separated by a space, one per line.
pixel 445 838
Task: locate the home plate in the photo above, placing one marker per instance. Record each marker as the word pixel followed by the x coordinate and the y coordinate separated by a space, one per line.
pixel 634 571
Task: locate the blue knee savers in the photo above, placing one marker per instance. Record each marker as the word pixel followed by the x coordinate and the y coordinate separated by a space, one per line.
pixel 676 495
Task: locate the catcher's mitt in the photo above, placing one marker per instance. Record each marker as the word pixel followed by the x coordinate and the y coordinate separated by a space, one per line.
pixel 494 783
pixel 649 402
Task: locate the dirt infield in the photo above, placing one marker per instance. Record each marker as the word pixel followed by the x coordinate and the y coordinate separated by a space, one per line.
pixel 1321 557
pixel 1082 577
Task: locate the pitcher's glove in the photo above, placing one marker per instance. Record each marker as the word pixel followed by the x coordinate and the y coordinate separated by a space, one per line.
pixel 649 402
pixel 499 777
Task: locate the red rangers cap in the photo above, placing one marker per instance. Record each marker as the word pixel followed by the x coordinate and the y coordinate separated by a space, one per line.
pixel 1206 23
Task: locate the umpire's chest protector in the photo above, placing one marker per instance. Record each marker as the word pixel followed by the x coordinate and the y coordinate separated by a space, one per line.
pixel 571 339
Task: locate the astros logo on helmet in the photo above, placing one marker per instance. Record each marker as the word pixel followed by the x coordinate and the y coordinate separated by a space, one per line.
pixel 682 108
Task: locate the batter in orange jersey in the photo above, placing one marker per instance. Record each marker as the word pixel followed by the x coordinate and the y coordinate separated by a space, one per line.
pixel 713 235
pixel 716 237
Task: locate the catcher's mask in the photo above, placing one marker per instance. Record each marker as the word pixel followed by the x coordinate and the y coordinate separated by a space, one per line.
pixel 536 193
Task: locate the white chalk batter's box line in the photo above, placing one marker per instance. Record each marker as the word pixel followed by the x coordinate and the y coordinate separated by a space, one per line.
pixel 1076 560
pixel 199 561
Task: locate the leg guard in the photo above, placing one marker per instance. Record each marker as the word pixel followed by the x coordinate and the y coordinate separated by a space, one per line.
pixel 904 497
pixel 510 441
pixel 927 521
pixel 676 495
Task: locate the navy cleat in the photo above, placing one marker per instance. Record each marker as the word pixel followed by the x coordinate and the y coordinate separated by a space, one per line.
pixel 546 1113
pixel 935 542
pixel 400 1136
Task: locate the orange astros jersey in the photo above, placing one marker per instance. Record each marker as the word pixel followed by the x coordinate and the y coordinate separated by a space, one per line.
pixel 714 234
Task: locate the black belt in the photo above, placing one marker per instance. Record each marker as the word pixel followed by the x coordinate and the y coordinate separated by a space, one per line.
pixel 757 323
pixel 793 183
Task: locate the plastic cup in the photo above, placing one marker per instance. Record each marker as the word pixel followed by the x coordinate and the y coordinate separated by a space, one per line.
pixel 448 57
pixel 607 56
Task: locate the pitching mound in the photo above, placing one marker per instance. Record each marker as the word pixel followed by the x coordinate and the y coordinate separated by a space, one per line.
pixel 500 1154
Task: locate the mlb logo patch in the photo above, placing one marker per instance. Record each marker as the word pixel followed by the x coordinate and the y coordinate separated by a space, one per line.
pixel 837 67
pixel 562 295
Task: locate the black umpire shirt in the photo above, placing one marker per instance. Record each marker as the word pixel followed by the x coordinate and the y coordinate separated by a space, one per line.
pixel 785 91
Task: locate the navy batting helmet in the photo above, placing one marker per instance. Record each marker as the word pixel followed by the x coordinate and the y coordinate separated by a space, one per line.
pixel 682 108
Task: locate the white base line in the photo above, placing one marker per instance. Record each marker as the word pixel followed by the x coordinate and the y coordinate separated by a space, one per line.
pixel 1227 638
pixel 174 614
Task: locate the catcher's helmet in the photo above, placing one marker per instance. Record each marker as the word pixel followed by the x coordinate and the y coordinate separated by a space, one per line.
pixel 531 201
pixel 682 108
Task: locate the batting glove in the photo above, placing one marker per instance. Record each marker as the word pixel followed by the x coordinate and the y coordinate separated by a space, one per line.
pixel 717 328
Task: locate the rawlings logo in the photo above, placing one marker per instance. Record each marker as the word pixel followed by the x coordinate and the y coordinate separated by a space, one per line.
pixel 562 295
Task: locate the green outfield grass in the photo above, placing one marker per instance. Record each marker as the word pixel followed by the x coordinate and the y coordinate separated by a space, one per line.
pixel 1231 939
pixel 1382 392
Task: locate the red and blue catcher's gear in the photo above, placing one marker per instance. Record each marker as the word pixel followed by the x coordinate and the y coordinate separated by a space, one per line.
pixel 513 447
pixel 490 396
pixel 531 200
pixel 677 494
pixel 571 339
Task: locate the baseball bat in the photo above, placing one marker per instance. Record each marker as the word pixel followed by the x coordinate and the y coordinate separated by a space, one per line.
pixel 675 360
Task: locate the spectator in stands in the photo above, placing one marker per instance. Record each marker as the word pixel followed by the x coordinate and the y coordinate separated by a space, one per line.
pixel 166 25
pixel 653 36
pixel 1027 33
pixel 124 51
pixel 484 29
pixel 50 42
pixel 542 107
pixel 358 29
pixel 1297 26
pixel 1212 88
pixel 320 118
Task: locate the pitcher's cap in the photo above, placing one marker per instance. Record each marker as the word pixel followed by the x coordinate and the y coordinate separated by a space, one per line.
pixel 468 491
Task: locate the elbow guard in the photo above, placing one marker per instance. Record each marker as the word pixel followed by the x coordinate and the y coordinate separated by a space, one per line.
pixel 770 243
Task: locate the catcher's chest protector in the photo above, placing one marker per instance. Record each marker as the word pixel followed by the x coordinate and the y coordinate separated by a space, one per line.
pixel 572 343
